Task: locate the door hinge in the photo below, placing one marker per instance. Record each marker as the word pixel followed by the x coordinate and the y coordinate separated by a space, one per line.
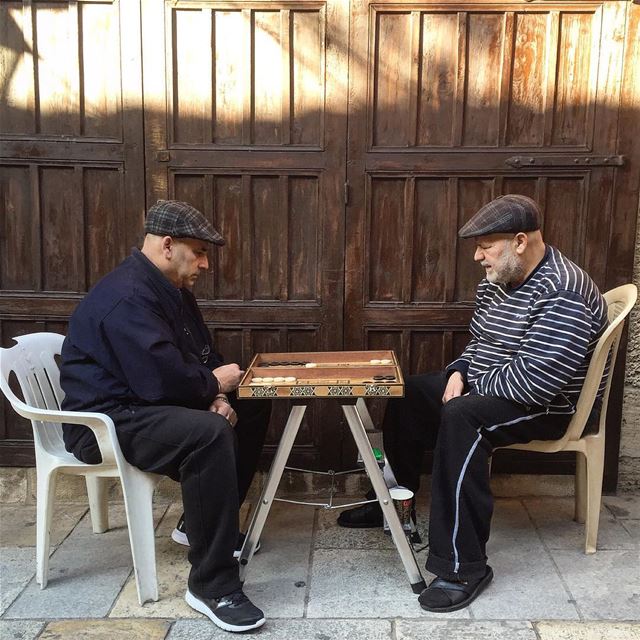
pixel 346 194
pixel 567 160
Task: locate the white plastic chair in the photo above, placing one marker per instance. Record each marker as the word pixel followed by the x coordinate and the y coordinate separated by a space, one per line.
pixel 33 362
pixel 589 447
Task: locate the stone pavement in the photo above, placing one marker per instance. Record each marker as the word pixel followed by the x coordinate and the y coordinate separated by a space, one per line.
pixel 316 581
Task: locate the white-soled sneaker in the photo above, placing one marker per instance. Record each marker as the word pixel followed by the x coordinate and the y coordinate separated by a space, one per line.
pixel 179 535
pixel 233 612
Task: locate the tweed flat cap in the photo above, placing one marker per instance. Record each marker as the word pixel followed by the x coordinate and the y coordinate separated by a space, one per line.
pixel 506 214
pixel 180 220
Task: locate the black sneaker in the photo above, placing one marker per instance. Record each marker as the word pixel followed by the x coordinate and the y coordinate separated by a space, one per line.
pixel 233 612
pixel 179 535
pixel 367 516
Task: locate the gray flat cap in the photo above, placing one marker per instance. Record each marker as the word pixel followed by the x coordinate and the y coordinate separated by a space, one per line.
pixel 506 214
pixel 180 220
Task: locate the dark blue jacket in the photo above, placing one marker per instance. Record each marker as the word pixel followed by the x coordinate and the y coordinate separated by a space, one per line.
pixel 136 339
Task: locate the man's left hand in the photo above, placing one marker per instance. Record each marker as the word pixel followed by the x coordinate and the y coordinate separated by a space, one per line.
pixel 222 406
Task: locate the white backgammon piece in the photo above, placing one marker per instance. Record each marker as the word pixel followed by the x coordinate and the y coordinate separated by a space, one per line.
pixel 257 379
pixel 278 379
pixel 267 379
pixel 310 365
pixel 290 379
pixel 385 361
pixel 375 361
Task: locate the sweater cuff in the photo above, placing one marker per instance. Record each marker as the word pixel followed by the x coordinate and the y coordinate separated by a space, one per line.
pixel 461 366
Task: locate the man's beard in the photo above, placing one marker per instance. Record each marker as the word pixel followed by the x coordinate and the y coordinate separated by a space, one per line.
pixel 507 270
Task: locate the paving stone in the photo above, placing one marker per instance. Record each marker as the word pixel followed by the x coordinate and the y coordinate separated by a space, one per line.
pixel 623 507
pixel 605 585
pixel 298 629
pixel 20 629
pixel 353 583
pixel 13 485
pixel 587 630
pixel 553 518
pixel 103 629
pixel 18 567
pixel 526 584
pixel 463 630
pixel 633 528
pixel 18 524
pixel 86 573
pixel 282 562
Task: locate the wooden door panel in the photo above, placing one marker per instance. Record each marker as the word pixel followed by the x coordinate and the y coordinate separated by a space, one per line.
pixel 487 77
pixel 252 131
pixel 272 227
pixel 445 96
pixel 241 76
pixel 71 163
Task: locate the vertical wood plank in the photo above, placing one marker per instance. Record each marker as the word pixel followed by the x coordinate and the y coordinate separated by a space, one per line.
pixel 596 46
pixel 207 73
pixel 247 234
pixel 36 203
pixel 409 212
pixel 414 78
pixel 74 62
pixel 285 94
pixel 550 80
pixel 451 276
pixel 460 92
pixel 285 240
pixel 506 73
pixel 247 75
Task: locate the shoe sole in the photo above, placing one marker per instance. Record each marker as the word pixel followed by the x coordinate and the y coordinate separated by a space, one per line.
pixel 201 607
pixel 481 586
pixel 181 538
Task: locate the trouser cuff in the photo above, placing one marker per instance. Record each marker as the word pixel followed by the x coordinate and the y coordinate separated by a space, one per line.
pixel 445 568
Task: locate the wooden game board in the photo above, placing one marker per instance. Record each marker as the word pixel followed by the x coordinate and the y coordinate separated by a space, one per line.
pixel 326 374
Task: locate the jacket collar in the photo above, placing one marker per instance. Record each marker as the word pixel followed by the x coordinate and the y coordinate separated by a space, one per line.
pixel 156 276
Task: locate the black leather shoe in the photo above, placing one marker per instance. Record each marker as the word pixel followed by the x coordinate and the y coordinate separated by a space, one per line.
pixel 367 516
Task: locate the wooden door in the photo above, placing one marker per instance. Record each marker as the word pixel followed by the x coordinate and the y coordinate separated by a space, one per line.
pixel 453 104
pixel 245 113
pixel 71 164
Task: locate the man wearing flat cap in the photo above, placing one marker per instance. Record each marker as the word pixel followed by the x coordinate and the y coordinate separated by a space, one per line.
pixel 537 320
pixel 138 350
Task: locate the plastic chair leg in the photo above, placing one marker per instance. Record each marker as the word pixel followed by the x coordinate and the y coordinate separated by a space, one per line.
pixel 580 488
pixel 138 488
pixel 595 470
pixel 98 503
pixel 45 496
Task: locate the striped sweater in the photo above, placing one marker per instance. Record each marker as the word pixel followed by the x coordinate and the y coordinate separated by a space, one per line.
pixel 533 344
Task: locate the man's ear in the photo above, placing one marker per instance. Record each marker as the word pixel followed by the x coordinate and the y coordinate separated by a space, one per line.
pixel 167 247
pixel 521 241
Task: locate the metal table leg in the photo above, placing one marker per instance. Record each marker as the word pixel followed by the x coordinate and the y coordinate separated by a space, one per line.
pixel 356 424
pixel 268 493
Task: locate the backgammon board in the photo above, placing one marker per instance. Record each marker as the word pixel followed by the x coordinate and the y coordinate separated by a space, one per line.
pixel 325 374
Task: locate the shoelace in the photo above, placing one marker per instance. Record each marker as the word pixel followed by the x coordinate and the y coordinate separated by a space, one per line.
pixel 234 599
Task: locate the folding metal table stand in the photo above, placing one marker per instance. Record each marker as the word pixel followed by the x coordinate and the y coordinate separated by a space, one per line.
pixel 359 420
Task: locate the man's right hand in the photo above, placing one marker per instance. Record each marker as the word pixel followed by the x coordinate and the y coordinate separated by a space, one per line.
pixel 228 377
pixel 454 388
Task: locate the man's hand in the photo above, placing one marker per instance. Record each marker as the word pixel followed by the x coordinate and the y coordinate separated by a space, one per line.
pixel 221 405
pixel 228 377
pixel 454 388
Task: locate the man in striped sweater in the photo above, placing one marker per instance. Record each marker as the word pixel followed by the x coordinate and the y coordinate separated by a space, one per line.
pixel 537 320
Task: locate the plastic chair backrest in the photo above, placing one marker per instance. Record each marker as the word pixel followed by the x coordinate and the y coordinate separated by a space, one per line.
pixel 33 362
pixel 619 301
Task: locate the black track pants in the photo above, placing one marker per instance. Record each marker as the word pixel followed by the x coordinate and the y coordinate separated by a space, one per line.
pixel 214 464
pixel 462 434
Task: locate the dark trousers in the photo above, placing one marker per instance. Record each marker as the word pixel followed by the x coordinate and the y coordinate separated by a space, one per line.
pixel 214 464
pixel 462 435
